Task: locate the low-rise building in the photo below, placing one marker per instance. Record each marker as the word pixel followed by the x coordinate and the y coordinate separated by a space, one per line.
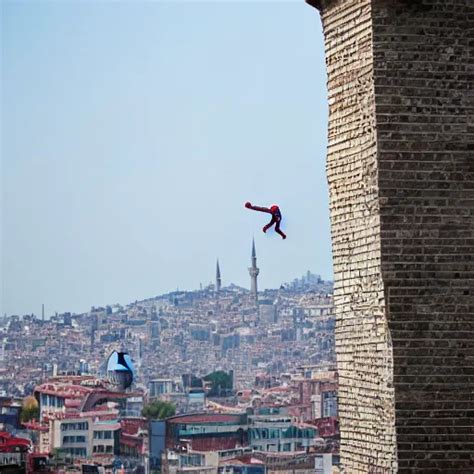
pixel 207 432
pixel 80 417
pixel 273 431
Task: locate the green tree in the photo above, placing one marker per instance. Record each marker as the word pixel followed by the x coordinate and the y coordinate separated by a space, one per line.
pixel 221 382
pixel 158 410
pixel 29 409
pixel 196 382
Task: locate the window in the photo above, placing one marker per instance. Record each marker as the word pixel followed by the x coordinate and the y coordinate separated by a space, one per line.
pixel 192 460
pixel 329 404
pixel 74 439
pixel 77 452
pixel 81 426
pixel 103 435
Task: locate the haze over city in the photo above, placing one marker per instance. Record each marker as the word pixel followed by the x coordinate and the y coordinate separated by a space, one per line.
pixel 145 145
pixel 132 135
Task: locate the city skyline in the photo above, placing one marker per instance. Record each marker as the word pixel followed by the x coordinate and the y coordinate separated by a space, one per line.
pixel 133 134
pixel 202 354
pixel 46 313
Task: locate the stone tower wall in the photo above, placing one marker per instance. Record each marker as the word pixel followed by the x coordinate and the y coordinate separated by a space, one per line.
pixel 401 176
pixel 424 96
pixel 363 347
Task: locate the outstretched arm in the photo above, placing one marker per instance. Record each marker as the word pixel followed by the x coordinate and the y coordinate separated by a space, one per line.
pixel 258 208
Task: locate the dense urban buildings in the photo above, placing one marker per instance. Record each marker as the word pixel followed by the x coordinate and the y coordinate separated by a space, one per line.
pixel 250 377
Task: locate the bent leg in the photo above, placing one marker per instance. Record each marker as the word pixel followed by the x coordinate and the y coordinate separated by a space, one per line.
pixel 279 231
pixel 265 228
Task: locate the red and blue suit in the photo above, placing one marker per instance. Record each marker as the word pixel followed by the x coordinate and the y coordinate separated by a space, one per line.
pixel 276 217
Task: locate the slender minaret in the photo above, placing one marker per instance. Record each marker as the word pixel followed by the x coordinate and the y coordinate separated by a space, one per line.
pixel 42 312
pixel 218 277
pixel 254 271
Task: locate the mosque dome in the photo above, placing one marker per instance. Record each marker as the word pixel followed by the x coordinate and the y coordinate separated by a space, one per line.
pixel 120 370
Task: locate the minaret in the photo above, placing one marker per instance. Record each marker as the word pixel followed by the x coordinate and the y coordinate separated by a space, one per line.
pixel 218 277
pixel 254 271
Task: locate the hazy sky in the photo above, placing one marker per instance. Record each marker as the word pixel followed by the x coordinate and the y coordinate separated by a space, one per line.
pixel 133 133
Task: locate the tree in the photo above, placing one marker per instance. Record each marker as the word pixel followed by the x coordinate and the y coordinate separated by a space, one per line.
pixel 29 409
pixel 221 382
pixel 196 382
pixel 158 410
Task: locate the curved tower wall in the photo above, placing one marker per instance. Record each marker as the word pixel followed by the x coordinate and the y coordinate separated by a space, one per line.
pixel 400 168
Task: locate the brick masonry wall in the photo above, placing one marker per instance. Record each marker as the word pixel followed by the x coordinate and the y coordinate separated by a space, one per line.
pixel 424 107
pixel 401 176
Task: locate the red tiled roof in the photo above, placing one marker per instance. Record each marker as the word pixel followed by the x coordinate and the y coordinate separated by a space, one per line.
pixel 34 425
pixel 278 389
pixel 205 418
pixel 64 390
pixel 9 442
pixel 242 460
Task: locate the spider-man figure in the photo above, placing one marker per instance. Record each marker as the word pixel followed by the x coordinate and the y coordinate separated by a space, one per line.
pixel 276 217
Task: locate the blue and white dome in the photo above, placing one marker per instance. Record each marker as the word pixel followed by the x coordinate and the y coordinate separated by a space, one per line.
pixel 120 370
